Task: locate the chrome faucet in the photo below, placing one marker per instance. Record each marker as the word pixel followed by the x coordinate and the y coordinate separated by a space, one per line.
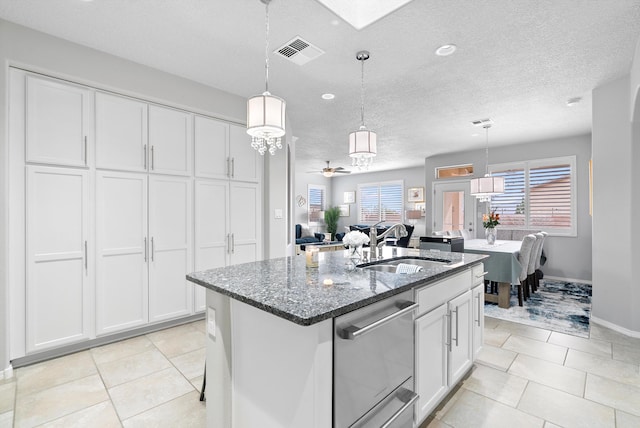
pixel 398 230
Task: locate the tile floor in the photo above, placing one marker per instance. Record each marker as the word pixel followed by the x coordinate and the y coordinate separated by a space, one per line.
pixel 525 376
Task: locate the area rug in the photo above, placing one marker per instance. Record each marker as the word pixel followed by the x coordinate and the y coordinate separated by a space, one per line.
pixel 559 306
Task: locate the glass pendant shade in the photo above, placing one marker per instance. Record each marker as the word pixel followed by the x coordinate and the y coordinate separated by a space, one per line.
pixel 362 147
pixel 266 122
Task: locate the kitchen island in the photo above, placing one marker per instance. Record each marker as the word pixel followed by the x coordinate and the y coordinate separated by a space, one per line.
pixel 270 349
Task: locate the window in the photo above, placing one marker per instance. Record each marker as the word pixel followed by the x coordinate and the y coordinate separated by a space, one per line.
pixel 316 200
pixel 381 202
pixel 454 171
pixel 539 194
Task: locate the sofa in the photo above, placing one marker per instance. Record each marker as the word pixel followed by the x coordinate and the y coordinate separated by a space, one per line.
pixel 305 236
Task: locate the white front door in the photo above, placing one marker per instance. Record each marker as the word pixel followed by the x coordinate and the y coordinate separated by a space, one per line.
pixel 453 206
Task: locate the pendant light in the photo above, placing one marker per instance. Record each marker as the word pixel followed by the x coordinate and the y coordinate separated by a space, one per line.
pixel 265 112
pixel 485 187
pixel 362 143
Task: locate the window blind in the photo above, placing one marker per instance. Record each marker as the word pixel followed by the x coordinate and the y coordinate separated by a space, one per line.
pixel 381 202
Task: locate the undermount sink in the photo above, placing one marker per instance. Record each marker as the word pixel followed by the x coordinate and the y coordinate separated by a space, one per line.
pixel 392 264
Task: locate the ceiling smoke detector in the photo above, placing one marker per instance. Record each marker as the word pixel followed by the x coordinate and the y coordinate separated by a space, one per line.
pixel 299 51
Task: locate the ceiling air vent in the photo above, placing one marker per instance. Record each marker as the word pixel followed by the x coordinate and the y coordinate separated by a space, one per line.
pixel 482 122
pixel 299 51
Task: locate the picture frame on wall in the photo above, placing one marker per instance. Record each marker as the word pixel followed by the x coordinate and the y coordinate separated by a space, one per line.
pixel 349 197
pixel 344 210
pixel 415 194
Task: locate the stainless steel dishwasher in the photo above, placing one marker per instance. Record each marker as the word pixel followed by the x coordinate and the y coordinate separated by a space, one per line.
pixel 373 359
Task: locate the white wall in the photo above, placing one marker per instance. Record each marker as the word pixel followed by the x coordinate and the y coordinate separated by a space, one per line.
pixel 568 257
pixel 412 177
pixel 37 51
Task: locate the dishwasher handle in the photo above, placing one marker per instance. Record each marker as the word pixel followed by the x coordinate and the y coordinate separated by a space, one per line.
pixel 352 332
pixel 408 397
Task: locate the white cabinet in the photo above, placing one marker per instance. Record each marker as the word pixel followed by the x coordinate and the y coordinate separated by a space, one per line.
pixel 58 292
pixel 244 223
pixel 444 338
pixel 121 133
pixel 121 251
pixel 170 241
pixel 57 119
pixel 223 150
pixel 170 140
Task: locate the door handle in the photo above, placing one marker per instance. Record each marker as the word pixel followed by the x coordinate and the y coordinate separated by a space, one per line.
pixel 233 167
pixel 86 257
pixel 456 338
pixel 448 316
pixel 85 150
pixel 153 156
pixel 352 332
pixel 144 158
pixel 229 167
pixel 153 249
pixel 233 243
pixel 145 249
pixel 479 309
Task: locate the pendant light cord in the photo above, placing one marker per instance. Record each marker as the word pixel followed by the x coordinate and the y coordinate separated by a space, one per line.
pixel 266 49
pixel 486 165
pixel 362 93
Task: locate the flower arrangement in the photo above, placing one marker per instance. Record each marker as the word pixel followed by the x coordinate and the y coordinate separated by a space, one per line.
pixel 489 221
pixel 355 238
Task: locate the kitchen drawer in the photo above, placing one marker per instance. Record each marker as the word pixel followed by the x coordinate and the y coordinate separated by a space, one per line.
pixel 433 295
pixel 477 274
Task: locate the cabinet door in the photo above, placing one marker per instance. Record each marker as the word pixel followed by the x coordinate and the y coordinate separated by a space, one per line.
pixel 57 122
pixel 460 357
pixel 170 231
pixel 121 251
pixel 431 360
pixel 58 282
pixel 211 225
pixel 170 141
pixel 121 133
pixel 478 320
pixel 245 223
pixel 211 139
pixel 246 162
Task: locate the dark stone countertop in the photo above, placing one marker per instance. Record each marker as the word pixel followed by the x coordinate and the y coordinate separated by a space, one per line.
pixel 287 288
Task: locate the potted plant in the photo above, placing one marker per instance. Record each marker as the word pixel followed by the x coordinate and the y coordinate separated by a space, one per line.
pixel 331 216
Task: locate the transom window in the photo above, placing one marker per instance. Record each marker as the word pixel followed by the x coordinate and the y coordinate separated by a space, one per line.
pixel 539 194
pixel 381 202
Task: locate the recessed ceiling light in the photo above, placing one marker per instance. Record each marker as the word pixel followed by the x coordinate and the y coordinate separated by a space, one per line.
pixel 573 101
pixel 446 50
pixel 328 96
pixel 474 135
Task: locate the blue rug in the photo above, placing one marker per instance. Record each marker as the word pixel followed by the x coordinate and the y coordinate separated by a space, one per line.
pixel 559 306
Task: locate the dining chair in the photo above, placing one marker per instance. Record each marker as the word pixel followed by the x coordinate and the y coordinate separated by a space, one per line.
pixel 536 279
pixel 524 257
pixel 531 269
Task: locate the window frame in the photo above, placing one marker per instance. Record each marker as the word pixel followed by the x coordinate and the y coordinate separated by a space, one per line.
pixel 380 184
pixel 527 166
pixel 323 189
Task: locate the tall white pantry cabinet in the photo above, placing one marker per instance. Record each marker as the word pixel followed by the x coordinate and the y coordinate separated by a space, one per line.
pixel 122 198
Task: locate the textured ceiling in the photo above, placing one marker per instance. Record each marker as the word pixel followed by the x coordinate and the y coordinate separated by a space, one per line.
pixel 518 61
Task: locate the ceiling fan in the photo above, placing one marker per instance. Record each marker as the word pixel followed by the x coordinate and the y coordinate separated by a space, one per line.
pixel 328 171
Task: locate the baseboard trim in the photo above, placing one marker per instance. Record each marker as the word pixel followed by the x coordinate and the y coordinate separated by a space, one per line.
pixel 76 347
pixel 557 278
pixel 615 327
pixel 7 373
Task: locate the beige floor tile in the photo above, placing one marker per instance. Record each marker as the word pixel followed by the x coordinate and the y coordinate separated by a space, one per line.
pixel 474 410
pixel 178 340
pixel 200 325
pixel 58 401
pixel 626 353
pixel 495 337
pixel 185 412
pixel 625 420
pixel 434 423
pixel 448 404
pixel 490 323
pixel 535 348
pixel 496 384
pixel 6 420
pixel 592 346
pixel 606 367
pixel 550 374
pixel 132 367
pixel 565 409
pixel 197 382
pixel 7 396
pixel 613 394
pixel 54 372
pixel 191 364
pixel 548 424
pixel 101 415
pixel 122 349
pixel 603 333
pixel 496 357
pixel 142 394
pixel 524 330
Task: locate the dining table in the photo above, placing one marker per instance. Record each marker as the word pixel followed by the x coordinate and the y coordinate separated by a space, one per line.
pixel 502 266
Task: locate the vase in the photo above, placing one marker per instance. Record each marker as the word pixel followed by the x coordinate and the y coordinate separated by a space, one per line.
pixel 355 252
pixel 490 233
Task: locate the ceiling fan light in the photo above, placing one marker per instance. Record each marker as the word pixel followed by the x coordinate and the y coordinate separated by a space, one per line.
pixel 327 174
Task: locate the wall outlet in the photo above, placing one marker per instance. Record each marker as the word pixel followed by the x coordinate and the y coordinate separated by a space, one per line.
pixel 278 213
